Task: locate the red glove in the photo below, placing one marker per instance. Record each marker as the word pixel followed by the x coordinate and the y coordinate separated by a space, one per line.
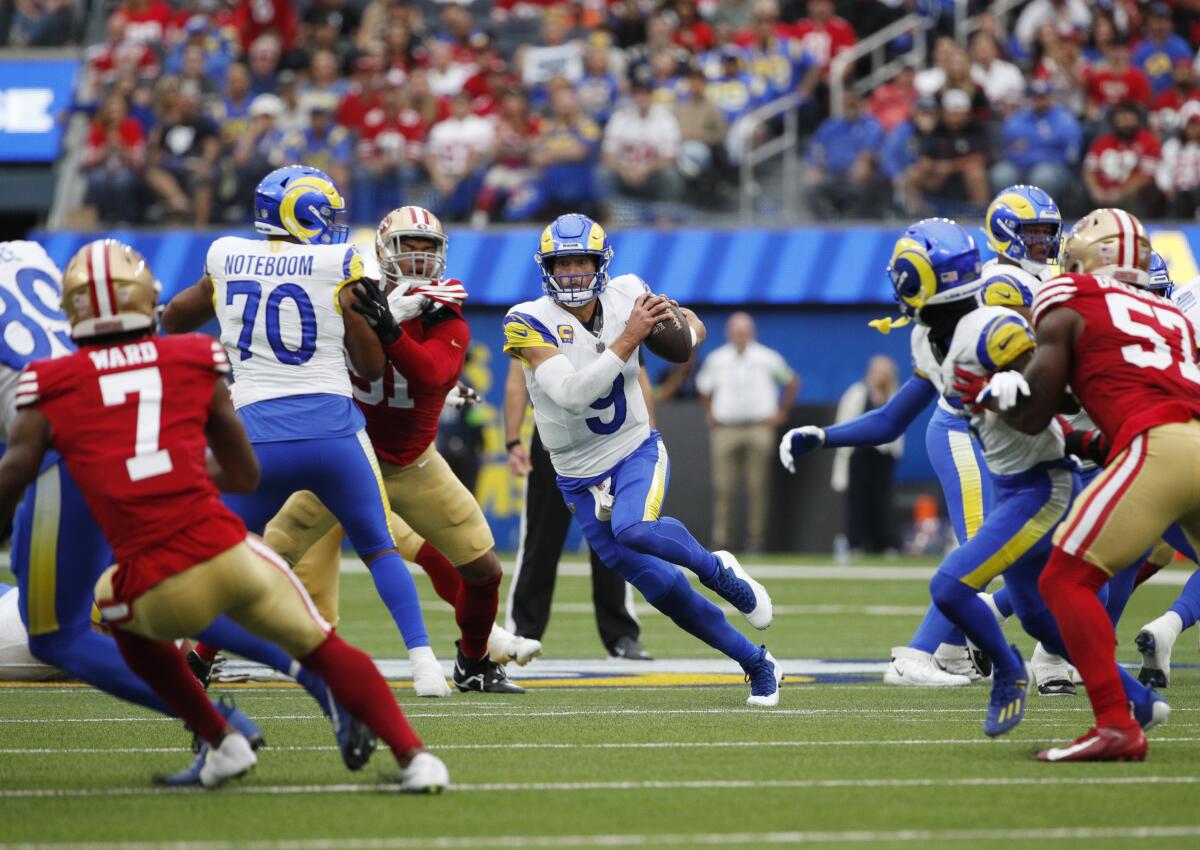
pixel 448 292
pixel 969 386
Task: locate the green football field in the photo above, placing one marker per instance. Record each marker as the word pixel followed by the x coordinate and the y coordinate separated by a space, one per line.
pixel 843 761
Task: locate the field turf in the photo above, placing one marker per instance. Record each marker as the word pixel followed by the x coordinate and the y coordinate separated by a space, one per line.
pixel 843 762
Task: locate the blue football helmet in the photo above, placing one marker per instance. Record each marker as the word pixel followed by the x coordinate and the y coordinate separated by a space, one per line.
pixel 1009 218
pixel 573 235
pixel 1160 277
pixel 302 202
pixel 936 261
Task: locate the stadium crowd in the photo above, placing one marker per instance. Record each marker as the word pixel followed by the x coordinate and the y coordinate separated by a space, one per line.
pixel 515 110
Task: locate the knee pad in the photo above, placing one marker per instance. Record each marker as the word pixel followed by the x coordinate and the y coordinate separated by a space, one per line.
pixel 639 537
pixel 947 591
pixel 656 583
pixel 300 523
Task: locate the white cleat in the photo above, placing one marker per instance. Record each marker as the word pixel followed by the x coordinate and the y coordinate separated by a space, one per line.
pixel 428 678
pixel 764 677
pixel 504 646
pixel 734 585
pixel 228 761
pixel 913 668
pixel 990 602
pixel 425 774
pixel 1155 642
pixel 1052 673
pixel 956 660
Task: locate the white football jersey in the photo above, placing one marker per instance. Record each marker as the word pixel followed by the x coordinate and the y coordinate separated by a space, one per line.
pixel 994 271
pixel 281 323
pixel 583 446
pixel 32 323
pixel 1186 296
pixel 926 365
pixel 987 340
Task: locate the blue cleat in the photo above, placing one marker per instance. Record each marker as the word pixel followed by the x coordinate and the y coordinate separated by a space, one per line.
pixel 1006 707
pixel 764 675
pixel 190 775
pixel 1153 712
pixel 238 719
pixel 355 741
pixel 733 584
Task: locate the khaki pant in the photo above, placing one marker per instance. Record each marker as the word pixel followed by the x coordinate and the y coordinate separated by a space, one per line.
pixel 741 454
pixel 247 582
pixel 428 502
pixel 1125 510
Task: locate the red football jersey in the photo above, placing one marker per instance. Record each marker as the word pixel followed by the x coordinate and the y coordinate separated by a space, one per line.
pixel 1113 160
pixel 1107 87
pixel 1134 365
pixel 403 407
pixel 129 421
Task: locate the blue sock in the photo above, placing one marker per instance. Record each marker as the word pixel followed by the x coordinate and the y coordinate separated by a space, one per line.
pixel 935 630
pixel 396 588
pixel 1120 588
pixel 94 658
pixel 966 610
pixel 1187 606
pixel 668 539
pixel 699 617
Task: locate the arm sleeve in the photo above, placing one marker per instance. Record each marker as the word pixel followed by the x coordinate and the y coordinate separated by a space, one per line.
pixel 884 424
pixel 435 362
pixel 572 390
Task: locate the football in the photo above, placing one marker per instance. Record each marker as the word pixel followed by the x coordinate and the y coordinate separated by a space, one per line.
pixel 671 340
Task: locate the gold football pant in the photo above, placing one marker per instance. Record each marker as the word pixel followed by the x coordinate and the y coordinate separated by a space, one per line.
pixel 247 582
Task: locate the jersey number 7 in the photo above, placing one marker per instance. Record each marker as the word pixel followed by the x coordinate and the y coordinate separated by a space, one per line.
pixel 148 459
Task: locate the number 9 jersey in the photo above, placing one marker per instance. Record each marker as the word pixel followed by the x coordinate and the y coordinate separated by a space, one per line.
pixel 587 444
pixel 281 323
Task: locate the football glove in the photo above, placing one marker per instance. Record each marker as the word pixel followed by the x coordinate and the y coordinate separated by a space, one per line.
pixel 462 396
pixel 1006 388
pixel 406 305
pixel 370 301
pixel 450 293
pixel 799 441
pixel 1087 445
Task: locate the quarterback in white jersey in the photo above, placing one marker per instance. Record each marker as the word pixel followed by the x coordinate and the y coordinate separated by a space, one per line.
pixel 287 309
pixel 578 346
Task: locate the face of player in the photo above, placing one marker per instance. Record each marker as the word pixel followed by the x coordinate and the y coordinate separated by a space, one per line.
pixel 417 257
pixel 575 271
pixel 1040 241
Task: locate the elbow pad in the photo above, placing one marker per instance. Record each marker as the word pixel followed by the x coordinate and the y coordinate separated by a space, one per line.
pixel 572 390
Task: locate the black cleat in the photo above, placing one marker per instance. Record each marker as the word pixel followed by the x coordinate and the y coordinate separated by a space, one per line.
pixel 1057 688
pixel 482 675
pixel 200 668
pixel 980 661
pixel 630 648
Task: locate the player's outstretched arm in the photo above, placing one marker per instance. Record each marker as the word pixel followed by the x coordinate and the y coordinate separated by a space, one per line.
pixel 233 466
pixel 1047 374
pixel 370 326
pixel 28 439
pixel 190 309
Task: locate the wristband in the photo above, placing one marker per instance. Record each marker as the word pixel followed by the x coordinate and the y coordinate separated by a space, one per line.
pixel 510 445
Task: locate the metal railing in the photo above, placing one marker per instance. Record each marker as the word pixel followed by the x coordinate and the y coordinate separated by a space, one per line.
pixel 966 25
pixel 882 68
pixel 785 145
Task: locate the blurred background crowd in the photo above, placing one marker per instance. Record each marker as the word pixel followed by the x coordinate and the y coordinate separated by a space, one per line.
pixel 516 110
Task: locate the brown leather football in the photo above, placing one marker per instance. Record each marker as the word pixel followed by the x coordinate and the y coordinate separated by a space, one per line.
pixel 671 340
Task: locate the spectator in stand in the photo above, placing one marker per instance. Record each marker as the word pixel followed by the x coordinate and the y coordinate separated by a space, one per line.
pixel 692 32
pixel 599 89
pixel 147 21
pixel 459 151
pixel 323 144
pixel 117 55
pixel 400 49
pixel 951 169
pixel 1068 17
pixel 892 103
pixel 113 161
pixel 389 154
pixel 640 145
pixel 737 13
pixel 1119 168
pixel 1165 113
pixel 254 18
pixel 954 72
pixel 822 34
pixel 182 155
pixel 294 117
pixel 231 111
pixel 902 148
pixel 263 60
pixel 566 152
pixel 509 184
pixel 1040 144
pixel 41 23
pixel 1115 81
pixel 364 92
pixel 1063 66
pixel 1001 81
pixel 447 75
pixel 324 81
pixel 734 89
pixel 782 62
pixel 558 55
pixel 421 98
pixel 668 85
pixel 702 133
pixel 256 152
pixel 217 51
pixel 842 174
pixel 193 77
pixel 1178 174
pixel 1158 52
pixel 378 18
pixel 660 34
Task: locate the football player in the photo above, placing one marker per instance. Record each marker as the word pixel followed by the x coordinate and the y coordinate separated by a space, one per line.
pixel 286 317
pixel 418 318
pixel 577 345
pixel 1135 372
pixel 132 416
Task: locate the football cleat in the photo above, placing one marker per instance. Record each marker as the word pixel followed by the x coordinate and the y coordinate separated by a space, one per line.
pixel 1103 744
pixel 425 774
pixel 428 678
pixel 355 741
pixel 230 760
pixel 1006 706
pixel 504 646
pixel 733 584
pixel 1153 712
pixel 190 775
pixel 483 675
pixel 958 661
pixel 1155 642
pixel 630 648
pixel 1052 673
pixel 240 722
pixel 200 668
pixel 916 669
pixel 764 675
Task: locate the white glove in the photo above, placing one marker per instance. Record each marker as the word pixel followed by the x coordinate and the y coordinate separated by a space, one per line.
pixel 1006 388
pixel 462 396
pixel 405 306
pixel 799 441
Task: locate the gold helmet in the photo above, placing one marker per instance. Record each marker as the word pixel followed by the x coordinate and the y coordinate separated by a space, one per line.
pixel 406 269
pixel 1109 242
pixel 108 288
